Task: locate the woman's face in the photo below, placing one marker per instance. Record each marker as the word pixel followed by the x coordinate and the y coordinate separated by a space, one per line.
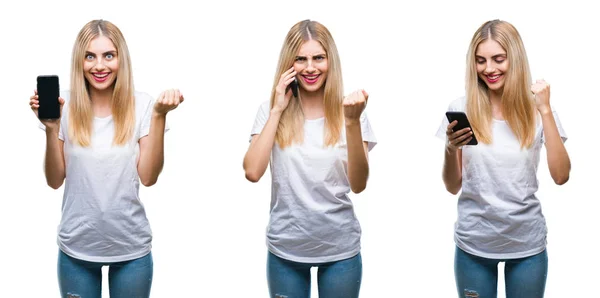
pixel 311 66
pixel 492 64
pixel 101 63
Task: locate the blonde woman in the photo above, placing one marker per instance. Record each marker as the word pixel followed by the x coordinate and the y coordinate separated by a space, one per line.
pixel 108 139
pixel 499 214
pixel 317 145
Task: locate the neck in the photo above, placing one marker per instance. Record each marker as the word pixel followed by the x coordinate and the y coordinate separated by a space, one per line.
pixel 101 101
pixel 495 97
pixel 312 103
pixel 496 102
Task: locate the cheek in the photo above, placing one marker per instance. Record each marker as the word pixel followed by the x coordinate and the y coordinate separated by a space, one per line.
pixel 87 66
pixel 298 67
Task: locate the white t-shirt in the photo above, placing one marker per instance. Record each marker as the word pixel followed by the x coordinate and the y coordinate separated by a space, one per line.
pixel 499 215
pixel 312 218
pixel 103 218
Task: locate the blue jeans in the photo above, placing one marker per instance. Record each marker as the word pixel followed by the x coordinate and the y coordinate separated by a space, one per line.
pixel 477 277
pixel 340 279
pixel 82 279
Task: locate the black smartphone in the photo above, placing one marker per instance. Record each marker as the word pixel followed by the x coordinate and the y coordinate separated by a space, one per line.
pixel 48 92
pixel 294 86
pixel 463 122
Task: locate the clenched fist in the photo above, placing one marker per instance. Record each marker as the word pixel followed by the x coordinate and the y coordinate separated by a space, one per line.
pixel 541 92
pixel 168 100
pixel 354 105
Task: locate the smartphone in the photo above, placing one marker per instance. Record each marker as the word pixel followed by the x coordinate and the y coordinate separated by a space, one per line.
pixel 463 122
pixel 48 92
pixel 294 86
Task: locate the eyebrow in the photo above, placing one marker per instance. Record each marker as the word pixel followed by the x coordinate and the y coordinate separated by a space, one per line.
pixel 317 55
pixel 107 52
pixel 495 56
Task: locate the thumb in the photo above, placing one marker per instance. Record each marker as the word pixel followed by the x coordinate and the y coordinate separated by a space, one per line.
pixel 365 94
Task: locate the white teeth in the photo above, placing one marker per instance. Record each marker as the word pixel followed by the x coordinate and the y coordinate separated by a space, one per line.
pixel 311 78
pixel 494 77
pixel 100 76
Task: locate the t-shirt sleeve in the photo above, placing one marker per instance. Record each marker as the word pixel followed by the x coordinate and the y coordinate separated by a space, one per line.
pixel 147 103
pixel 455 106
pixel 262 115
pixel 367 132
pixel 561 131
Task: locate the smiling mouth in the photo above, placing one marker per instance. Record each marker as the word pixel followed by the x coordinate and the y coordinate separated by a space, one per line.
pixel 493 78
pixel 310 79
pixel 100 76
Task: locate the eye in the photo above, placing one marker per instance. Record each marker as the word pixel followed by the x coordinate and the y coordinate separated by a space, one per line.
pixel 320 58
pixel 109 56
pixel 480 61
pixel 500 60
pixel 300 59
pixel 89 57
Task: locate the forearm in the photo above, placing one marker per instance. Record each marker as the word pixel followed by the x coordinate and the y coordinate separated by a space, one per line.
pixel 258 155
pixel 558 158
pixel 54 162
pixel 358 164
pixel 452 172
pixel 152 158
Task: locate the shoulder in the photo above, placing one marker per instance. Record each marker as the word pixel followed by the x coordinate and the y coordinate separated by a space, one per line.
pixel 65 94
pixel 265 106
pixel 458 104
pixel 142 98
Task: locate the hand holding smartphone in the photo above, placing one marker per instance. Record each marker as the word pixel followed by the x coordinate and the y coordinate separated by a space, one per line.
pixel 294 86
pixel 463 122
pixel 48 91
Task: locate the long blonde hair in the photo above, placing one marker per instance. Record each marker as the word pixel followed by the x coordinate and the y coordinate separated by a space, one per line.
pixel 81 115
pixel 518 105
pixel 290 129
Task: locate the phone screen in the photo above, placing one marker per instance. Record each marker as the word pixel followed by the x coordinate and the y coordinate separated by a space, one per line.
pixel 48 92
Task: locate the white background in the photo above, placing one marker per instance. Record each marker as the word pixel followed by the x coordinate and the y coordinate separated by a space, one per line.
pixel 209 222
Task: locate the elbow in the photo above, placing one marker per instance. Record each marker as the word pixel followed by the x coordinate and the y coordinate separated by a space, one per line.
pixel 358 190
pixel 147 182
pixel 252 176
pixel 453 189
pixel 358 187
pixel 54 184
pixel 561 180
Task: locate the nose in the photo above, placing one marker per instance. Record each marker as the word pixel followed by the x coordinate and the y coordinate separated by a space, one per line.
pixel 489 68
pixel 310 67
pixel 99 65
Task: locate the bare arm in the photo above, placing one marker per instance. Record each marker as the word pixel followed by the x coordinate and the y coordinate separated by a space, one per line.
pixel 258 155
pixel 54 161
pixel 358 157
pixel 558 158
pixel 152 146
pixel 452 172
pixel 152 151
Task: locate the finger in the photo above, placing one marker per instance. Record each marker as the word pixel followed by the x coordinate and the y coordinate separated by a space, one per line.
pixel 287 72
pixel 171 97
pixel 61 100
pixel 457 134
pixel 289 81
pixel 465 142
pixel 460 132
pixel 177 97
pixel 463 137
pixel 452 124
pixel 35 91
